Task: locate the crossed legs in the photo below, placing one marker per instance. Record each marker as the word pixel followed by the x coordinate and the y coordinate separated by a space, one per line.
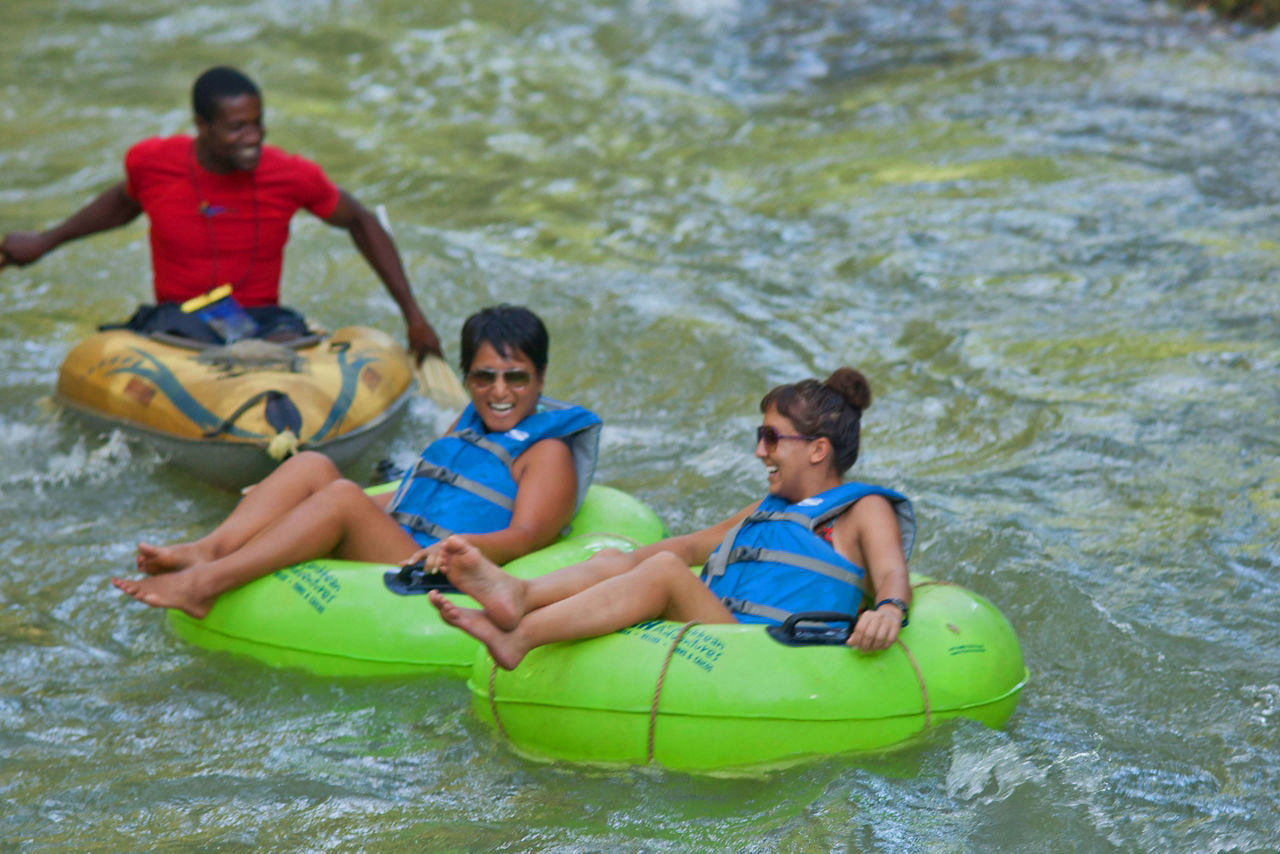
pixel 291 483
pixel 302 511
pixel 594 598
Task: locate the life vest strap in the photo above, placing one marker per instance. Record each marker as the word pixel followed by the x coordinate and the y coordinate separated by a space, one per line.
pixel 751 553
pixel 725 555
pixel 755 609
pixel 475 438
pixel 780 516
pixel 420 524
pixel 715 565
pixel 432 471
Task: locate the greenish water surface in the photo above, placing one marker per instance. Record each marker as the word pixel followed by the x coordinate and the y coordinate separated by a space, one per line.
pixel 1048 231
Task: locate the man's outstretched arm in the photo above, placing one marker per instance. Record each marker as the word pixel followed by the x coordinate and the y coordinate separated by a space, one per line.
pixel 379 250
pixel 112 209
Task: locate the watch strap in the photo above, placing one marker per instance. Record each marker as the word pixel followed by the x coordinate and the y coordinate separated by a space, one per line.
pixel 897 603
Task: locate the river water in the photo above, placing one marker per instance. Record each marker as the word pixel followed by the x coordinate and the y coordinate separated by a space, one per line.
pixel 1047 230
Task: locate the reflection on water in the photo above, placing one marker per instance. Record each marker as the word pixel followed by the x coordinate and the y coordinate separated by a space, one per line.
pixel 1046 231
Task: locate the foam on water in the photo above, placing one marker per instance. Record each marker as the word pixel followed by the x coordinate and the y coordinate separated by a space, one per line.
pixel 1032 223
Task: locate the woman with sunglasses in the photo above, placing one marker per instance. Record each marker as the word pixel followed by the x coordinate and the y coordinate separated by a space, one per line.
pixel 509 474
pixel 813 543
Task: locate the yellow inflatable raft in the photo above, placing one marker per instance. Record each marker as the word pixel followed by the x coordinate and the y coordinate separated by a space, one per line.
pixel 229 414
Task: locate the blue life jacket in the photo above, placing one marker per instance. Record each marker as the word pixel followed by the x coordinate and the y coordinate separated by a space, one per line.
pixel 462 483
pixel 773 564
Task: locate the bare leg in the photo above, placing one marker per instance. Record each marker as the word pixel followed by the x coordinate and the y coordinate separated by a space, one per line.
pixel 507 599
pixel 660 586
pixel 339 520
pixel 502 644
pixel 296 479
pixel 154 560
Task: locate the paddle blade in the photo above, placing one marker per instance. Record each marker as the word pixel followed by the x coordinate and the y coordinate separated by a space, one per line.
pixel 437 381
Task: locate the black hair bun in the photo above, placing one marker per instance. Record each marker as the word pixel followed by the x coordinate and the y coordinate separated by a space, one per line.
pixel 852 386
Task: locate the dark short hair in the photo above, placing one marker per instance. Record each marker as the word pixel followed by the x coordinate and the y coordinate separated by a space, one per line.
pixel 505 328
pixel 215 84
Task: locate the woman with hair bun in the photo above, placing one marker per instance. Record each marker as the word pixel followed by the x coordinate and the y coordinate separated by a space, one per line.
pixel 814 543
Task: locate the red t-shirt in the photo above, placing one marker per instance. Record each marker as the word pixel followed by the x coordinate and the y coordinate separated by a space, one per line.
pixel 205 226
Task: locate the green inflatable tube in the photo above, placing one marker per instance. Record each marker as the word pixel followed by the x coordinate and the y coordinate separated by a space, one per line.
pixel 337 618
pixel 732 697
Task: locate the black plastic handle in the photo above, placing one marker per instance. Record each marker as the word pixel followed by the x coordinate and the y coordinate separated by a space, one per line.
pixel 412 579
pixel 386 471
pixel 813 628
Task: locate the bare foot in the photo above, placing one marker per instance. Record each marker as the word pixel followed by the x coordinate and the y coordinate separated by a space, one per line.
pixel 171 590
pixel 157 560
pixel 507 648
pixel 501 595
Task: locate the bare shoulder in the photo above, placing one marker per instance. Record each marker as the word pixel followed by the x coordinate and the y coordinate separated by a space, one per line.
pixel 546 458
pixel 871 520
pixel 873 509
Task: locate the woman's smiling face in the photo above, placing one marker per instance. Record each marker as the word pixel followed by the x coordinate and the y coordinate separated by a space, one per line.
pixel 786 460
pixel 503 389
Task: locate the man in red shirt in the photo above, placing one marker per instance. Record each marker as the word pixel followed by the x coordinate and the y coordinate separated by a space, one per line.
pixel 219 207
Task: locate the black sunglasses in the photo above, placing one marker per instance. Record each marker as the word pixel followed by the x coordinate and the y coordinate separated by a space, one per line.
pixel 516 378
pixel 771 437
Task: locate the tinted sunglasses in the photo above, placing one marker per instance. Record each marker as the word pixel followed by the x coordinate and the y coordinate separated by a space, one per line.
pixel 771 437
pixel 516 378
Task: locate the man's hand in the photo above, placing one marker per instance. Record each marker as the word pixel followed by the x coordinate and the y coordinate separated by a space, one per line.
pixel 112 209
pixel 377 247
pixel 21 248
pixel 423 340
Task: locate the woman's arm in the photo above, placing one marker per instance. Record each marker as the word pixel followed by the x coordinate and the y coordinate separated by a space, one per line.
pixel 696 547
pixel 868 535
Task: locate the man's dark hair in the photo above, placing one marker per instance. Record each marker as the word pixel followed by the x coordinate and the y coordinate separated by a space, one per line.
pixel 505 328
pixel 215 84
